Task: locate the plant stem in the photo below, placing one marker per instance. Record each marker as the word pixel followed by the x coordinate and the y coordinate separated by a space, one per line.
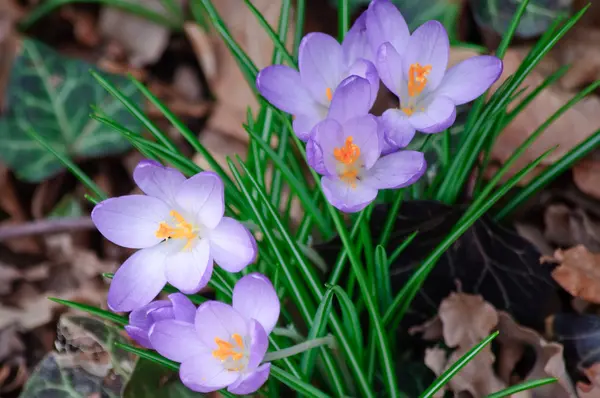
pixel 298 348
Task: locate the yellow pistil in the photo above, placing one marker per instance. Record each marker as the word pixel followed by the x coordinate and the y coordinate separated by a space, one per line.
pixel 329 93
pixel 228 350
pixel 349 153
pixel 350 176
pixel 182 230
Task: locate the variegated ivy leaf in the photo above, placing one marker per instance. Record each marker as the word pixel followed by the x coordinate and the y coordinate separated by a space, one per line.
pixel 53 95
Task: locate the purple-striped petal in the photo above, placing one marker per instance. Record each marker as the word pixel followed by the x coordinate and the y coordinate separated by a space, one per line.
pixel 470 78
pixel 232 246
pixel 205 373
pixel 363 130
pixel 398 131
pixel 255 297
pixel 321 65
pixel 438 115
pixel 356 43
pixel 283 87
pixel 203 197
pixel 389 65
pixel 215 319
pixel 351 99
pixel 259 343
pixel 176 340
pixel 345 197
pixel 428 45
pixel 386 24
pixel 189 270
pixel 130 221
pixel 396 170
pixel 157 180
pixel 138 280
pixel 251 382
pixel 183 309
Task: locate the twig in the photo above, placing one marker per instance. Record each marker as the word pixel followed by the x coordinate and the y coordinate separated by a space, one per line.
pixel 45 227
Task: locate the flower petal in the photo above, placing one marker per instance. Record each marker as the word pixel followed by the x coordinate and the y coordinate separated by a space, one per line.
pixel 142 317
pixel 138 280
pixel 470 78
pixel 258 346
pixel 190 270
pixel 130 221
pixel 203 196
pixel 251 382
pixel 176 340
pixel 205 373
pixel 321 65
pixel 351 99
pixel 396 170
pixel 345 197
pixel 389 65
pixel 156 180
pixel 216 319
pixel 366 70
pixel 363 130
pixel 183 309
pixel 438 115
pixel 356 43
pixel 283 87
pixel 398 131
pixel 232 246
pixel 428 45
pixel 255 297
pixel 303 124
pixel 139 335
pixel 386 24
pixel 326 136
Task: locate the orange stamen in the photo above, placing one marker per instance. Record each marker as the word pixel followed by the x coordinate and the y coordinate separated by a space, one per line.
pixel 182 230
pixel 417 78
pixel 349 177
pixel 227 350
pixel 329 93
pixel 349 153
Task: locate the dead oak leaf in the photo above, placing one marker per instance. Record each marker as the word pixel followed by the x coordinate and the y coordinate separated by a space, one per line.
pixel 579 273
pixel 465 309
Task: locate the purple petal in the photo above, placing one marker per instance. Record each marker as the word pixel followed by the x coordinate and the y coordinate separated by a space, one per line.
pixel 130 221
pixel 397 128
pixel 283 87
pixel 251 382
pixel 364 133
pixel 176 340
pixel 352 98
pixel 356 43
pixel 366 70
pixel 428 45
pixel 345 197
pixel 438 115
pixel 321 65
pixel 183 309
pixel 205 373
pixel 162 313
pixel 215 319
pixel 470 78
pixel 142 317
pixel 326 136
pixel 389 65
pixel 156 180
pixel 189 270
pixel 232 246
pixel 258 346
pixel 255 297
pixel 396 170
pixel 303 124
pixel 138 280
pixel 139 335
pixel 203 196
pixel 386 24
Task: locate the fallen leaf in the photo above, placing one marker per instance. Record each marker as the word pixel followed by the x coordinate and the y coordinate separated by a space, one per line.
pixel 579 273
pixel 458 310
pixel 586 174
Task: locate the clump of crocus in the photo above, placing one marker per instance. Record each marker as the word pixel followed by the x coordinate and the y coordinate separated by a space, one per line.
pixel 179 226
pixel 177 307
pixel 347 152
pixel 227 343
pixel 323 63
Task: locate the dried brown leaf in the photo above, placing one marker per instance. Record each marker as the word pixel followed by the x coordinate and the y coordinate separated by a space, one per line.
pixel 466 319
pixel 579 272
pixel 586 175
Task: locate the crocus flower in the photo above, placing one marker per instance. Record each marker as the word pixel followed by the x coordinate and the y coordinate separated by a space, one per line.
pixel 348 155
pixel 178 307
pixel 428 93
pixel 323 63
pixel 227 343
pixel 179 226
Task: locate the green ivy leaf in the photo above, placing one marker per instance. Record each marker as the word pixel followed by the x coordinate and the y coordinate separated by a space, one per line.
pixel 53 95
pixel 151 380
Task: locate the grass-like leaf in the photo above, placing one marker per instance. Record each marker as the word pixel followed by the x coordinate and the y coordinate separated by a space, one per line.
pixel 296 384
pixel 527 385
pixel 100 313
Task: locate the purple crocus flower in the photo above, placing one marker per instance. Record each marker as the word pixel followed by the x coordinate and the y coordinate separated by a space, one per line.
pixel 348 155
pixel 179 226
pixel 323 63
pixel 414 68
pixel 178 307
pixel 227 343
